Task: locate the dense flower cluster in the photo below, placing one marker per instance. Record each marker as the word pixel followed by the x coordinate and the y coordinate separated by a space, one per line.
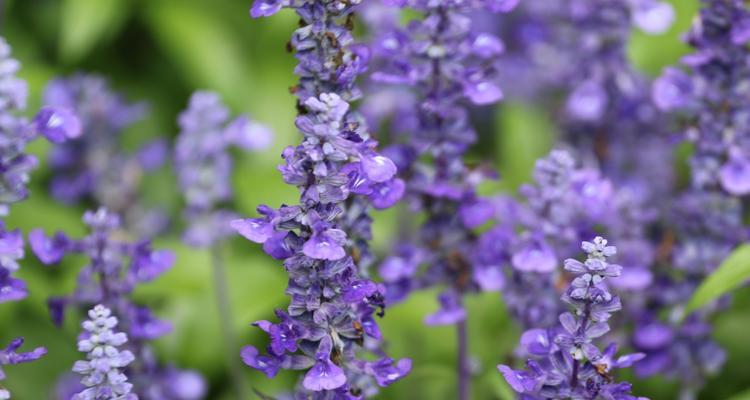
pixel 562 207
pixel 708 215
pixel 204 165
pixel 446 64
pixel 95 168
pixel 564 361
pixel 114 269
pixel 715 96
pixel 102 369
pixel 57 124
pixel 322 241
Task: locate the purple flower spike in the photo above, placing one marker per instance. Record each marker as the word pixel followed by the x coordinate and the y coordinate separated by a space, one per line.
pixel 108 279
pixel 57 124
pixel 329 326
pixel 563 361
pixel 92 166
pixel 204 165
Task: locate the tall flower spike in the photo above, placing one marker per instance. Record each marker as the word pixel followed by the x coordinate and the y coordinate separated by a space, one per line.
pixel 562 206
pixel 115 268
pixel 323 240
pixel 57 124
pixel 446 64
pixel 203 164
pixel 715 95
pixel 708 217
pixel 564 362
pixel 104 365
pixel 95 169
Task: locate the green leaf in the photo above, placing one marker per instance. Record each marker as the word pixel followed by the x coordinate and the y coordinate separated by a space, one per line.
pixel 651 53
pixel 733 272
pixel 205 49
pixel 85 23
pixel 741 396
pixel 525 134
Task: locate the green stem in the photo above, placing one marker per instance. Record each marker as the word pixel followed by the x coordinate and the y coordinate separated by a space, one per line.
pixel 231 353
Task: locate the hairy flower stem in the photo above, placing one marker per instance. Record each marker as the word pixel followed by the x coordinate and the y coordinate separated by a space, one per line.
pixel 464 369
pixel 225 320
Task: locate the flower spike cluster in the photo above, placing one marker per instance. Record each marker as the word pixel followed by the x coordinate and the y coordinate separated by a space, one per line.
pixel 204 165
pixel 564 362
pixel 323 240
pixel 95 169
pixel 711 100
pixel 104 364
pixel 114 269
pixel 57 124
pixel 715 95
pixel 448 67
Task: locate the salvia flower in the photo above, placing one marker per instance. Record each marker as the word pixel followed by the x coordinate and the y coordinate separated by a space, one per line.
pixel 203 164
pixel 115 267
pixel 10 356
pixel 564 361
pixel 105 362
pixel 57 124
pixel 715 96
pixel 710 96
pixel 440 66
pixel 323 240
pixel 95 169
pixel 563 205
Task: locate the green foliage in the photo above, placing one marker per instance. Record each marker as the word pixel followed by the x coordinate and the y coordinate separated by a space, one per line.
pixel 733 272
pixel 86 23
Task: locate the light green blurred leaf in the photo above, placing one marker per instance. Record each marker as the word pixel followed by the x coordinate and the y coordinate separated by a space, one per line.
pixel 733 272
pixel 651 53
pixel 204 48
pixel 526 134
pixel 86 23
pixel 741 396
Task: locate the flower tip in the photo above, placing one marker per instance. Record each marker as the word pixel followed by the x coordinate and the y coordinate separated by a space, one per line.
pixel 251 229
pixel 265 8
pixel 57 124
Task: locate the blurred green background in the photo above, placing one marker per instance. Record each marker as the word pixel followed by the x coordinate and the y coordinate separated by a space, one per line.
pixel 162 50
